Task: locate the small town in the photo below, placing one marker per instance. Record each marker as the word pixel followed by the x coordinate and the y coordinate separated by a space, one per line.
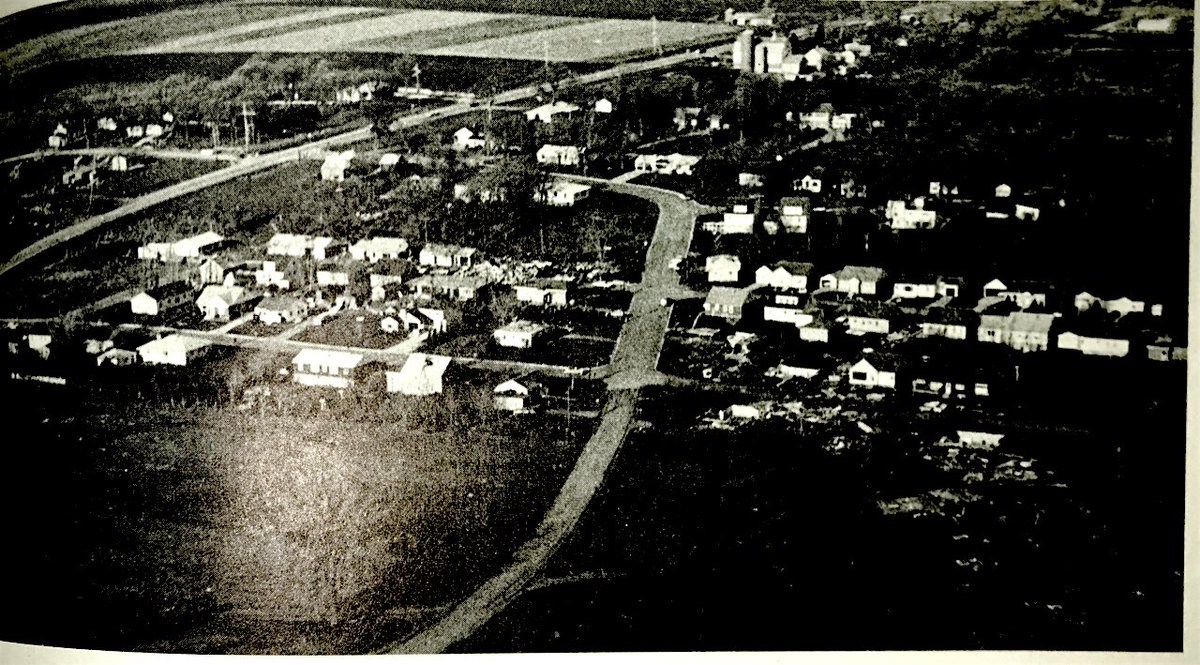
pixel 387 329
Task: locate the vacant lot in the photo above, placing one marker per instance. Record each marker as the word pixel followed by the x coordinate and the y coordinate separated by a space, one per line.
pixel 357 328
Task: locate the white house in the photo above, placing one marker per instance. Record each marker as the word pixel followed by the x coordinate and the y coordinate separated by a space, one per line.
pixel 270 275
pixel 784 275
pixel 809 183
pixel 274 310
pixel 672 164
pixel 854 280
pixel 519 334
pixel 565 193
pixel 421 374
pixel 1003 191
pixel 512 395
pixel 465 139
pixel 603 106
pixel 873 371
pixel 546 292
pixel 335 165
pixel 726 302
pixel 1023 331
pixel 558 155
pixel 723 268
pixel 546 112
pixel 785 313
pixel 322 367
pixel 219 302
pixel 173 350
pixel 162 300
pixel 1094 345
pixel 915 288
pixel 446 256
pixel 379 247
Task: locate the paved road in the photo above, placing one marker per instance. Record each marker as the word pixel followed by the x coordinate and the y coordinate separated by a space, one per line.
pixel 254 164
pixel 633 366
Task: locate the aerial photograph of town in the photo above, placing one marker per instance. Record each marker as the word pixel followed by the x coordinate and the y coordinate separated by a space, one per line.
pixel 340 327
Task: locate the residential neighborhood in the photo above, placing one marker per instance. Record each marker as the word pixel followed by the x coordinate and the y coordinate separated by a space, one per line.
pixel 377 330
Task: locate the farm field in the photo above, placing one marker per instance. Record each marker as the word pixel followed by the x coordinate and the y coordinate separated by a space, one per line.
pixel 292 29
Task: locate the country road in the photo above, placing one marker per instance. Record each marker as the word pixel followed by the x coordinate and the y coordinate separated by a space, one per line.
pixel 634 365
pixel 258 163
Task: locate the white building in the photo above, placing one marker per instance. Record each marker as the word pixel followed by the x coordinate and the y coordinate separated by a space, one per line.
pixel 420 375
pixel 565 193
pixel 173 350
pixel 519 334
pixel 321 367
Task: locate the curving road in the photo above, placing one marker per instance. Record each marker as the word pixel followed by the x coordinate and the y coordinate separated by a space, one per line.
pixel 634 365
pixel 254 164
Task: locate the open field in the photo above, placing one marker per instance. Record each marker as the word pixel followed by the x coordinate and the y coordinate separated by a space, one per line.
pixel 194 528
pixel 290 29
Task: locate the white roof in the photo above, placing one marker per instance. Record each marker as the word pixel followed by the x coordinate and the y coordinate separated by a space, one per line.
pixel 328 357
pixel 511 386
pixel 570 187
pixel 421 369
pixel 172 343
pixel 201 240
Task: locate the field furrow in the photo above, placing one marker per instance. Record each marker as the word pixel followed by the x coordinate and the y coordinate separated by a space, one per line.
pixel 261 28
pixel 336 37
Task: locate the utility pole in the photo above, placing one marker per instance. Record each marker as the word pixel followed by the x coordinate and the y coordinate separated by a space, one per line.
pixel 246 123
pixel 654 36
pixel 417 74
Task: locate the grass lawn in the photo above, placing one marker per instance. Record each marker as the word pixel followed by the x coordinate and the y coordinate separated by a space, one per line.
pixel 351 328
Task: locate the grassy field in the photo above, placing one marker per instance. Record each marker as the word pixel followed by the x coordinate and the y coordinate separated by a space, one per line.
pixel 207 529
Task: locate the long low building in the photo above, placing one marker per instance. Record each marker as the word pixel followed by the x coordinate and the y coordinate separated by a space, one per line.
pixel 326 367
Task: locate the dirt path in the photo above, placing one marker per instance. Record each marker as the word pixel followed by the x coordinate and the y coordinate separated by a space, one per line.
pixel 634 365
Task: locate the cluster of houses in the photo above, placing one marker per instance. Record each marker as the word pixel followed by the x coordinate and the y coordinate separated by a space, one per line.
pixel 106 125
pixel 867 300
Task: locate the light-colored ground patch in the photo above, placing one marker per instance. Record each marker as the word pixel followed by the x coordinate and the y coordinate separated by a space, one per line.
pixel 217 37
pixel 343 36
pixel 585 42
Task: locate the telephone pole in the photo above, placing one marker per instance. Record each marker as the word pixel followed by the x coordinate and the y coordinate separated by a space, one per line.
pixel 247 124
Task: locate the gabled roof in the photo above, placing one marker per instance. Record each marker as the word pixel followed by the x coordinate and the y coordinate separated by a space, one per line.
pixel 861 273
pixel 279 303
pixel 174 343
pixel 793 267
pixel 167 290
pixel 725 296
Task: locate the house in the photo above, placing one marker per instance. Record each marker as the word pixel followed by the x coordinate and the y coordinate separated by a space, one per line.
pixel 513 395
pixel 784 275
pixel 565 193
pixel 1023 331
pixel 186 248
pixel 558 155
pixel 519 334
pixel 1166 348
pixel 334 167
pixel 765 17
pixel 1122 306
pixel 162 300
pixel 770 53
pixel 415 320
pixel 458 287
pixel 388 274
pixel 903 218
pixel 117 358
pixel 672 164
pixel 546 112
pixel 388 161
pixel 379 247
pixel 118 163
pixel 1161 25
pixel 173 350
pixel 603 106
pixel 421 374
pixel 803 365
pixel 1023 294
pixel 274 310
pixel 793 214
pixel 333 273
pixel 726 302
pixel 810 183
pixel 949 322
pixel 210 271
pixel 545 292
pixel 465 139
pixel 949 287
pixel 753 180
pixel 291 244
pixel 854 280
pixel 446 256
pixel 915 287
pixel 872 318
pixel 874 370
pixel 686 117
pixel 1003 191
pixel 1024 212
pixel 739 219
pixel 323 367
pixel 268 274
pixel 723 268
pixel 788 307
pixel 363 92
pixel 822 118
pixel 842 121
pixel 221 303
pixel 953 375
pixel 1094 343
